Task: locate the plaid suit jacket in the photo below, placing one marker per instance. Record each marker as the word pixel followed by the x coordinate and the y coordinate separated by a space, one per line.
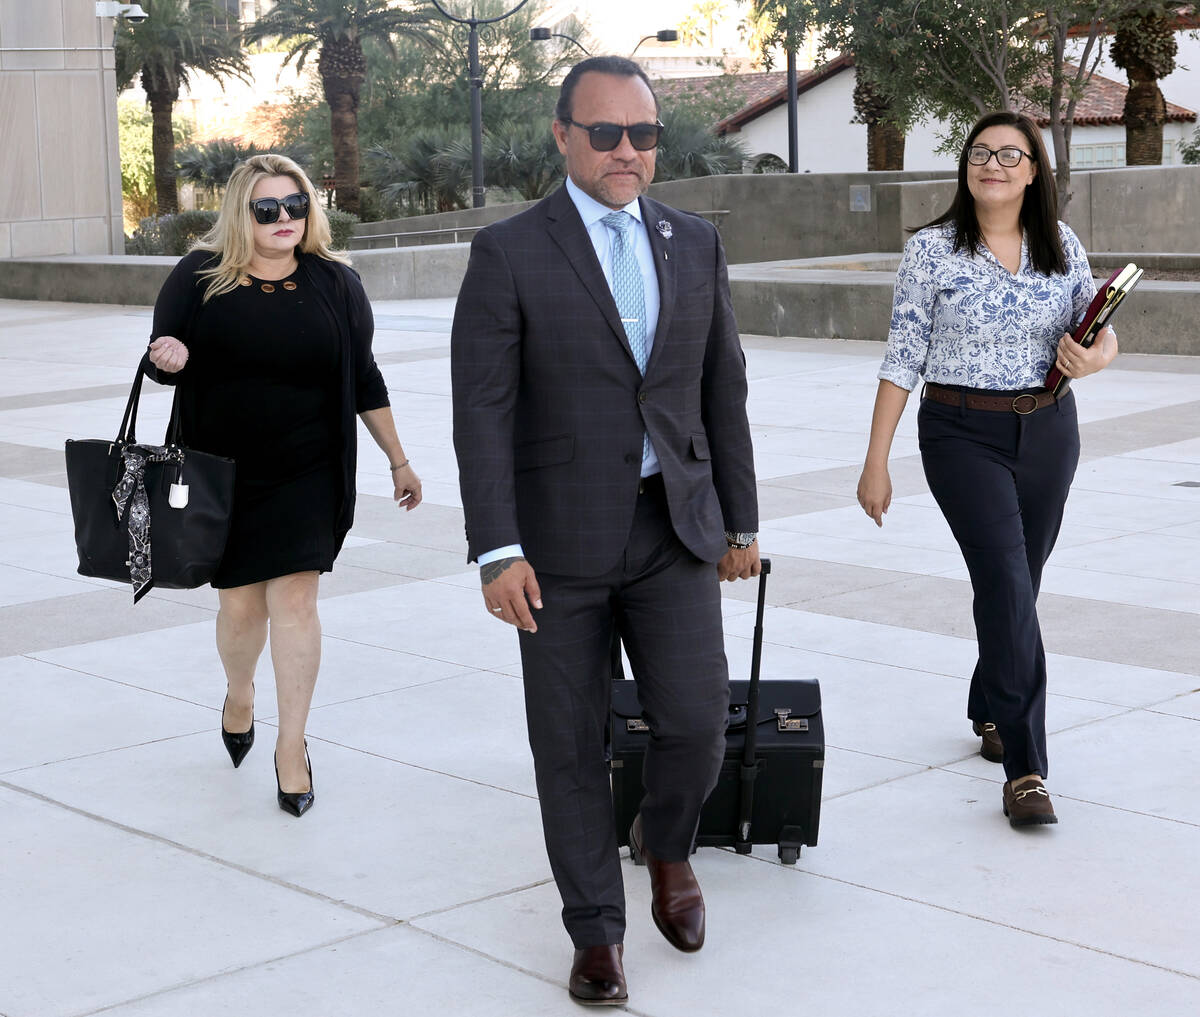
pixel 550 408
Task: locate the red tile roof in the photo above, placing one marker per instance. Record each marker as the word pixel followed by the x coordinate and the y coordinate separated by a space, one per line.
pixel 1103 101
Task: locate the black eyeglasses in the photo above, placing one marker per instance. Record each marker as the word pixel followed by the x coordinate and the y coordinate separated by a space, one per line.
pixel 606 137
pixel 266 210
pixel 1008 156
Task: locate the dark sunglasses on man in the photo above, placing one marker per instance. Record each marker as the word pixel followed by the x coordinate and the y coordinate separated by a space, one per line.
pixel 605 137
pixel 266 210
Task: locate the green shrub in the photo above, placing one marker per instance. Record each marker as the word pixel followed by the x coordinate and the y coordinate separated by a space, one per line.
pixel 146 239
pixel 341 225
pixel 183 229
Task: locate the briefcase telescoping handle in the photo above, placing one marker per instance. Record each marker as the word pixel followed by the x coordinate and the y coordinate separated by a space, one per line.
pixel 749 768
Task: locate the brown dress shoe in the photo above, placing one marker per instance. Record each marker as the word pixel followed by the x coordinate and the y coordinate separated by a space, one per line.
pixel 992 748
pixel 598 977
pixel 676 904
pixel 1028 803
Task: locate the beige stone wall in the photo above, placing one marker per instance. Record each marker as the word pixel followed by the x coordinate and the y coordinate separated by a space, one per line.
pixel 60 171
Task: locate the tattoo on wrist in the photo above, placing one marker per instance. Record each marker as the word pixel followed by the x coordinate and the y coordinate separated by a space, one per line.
pixel 494 569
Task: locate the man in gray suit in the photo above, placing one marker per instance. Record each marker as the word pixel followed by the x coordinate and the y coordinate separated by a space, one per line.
pixel 607 480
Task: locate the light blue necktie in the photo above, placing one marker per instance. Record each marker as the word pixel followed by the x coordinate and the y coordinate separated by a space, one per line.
pixel 629 293
pixel 627 284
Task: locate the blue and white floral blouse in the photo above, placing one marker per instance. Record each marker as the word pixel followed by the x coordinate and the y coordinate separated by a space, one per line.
pixel 962 320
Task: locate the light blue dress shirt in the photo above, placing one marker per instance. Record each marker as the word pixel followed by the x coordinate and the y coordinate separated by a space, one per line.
pixel 963 320
pixel 591 212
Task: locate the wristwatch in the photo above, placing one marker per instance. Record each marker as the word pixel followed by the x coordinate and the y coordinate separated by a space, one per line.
pixel 740 541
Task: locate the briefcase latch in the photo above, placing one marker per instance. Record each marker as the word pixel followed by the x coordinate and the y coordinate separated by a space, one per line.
pixel 636 724
pixel 789 723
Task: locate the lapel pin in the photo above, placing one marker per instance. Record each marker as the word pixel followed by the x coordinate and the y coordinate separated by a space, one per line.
pixel 664 229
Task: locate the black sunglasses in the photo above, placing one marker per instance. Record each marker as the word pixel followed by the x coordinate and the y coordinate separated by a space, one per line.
pixel 606 137
pixel 266 210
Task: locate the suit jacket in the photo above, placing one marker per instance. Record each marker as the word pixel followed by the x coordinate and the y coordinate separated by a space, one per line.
pixel 550 408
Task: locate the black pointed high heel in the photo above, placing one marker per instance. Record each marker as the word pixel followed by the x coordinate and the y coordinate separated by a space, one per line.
pixel 295 802
pixel 237 745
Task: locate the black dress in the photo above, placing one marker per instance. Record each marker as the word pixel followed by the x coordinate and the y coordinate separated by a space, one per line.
pixel 264 386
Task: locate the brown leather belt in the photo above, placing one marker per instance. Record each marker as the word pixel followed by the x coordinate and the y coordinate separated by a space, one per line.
pixel 1024 403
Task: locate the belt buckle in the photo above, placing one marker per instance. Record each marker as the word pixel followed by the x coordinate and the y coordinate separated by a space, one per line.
pixel 1024 395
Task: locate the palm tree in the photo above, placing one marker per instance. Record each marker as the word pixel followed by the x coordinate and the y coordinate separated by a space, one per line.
pixel 334 30
pixel 690 149
pixel 179 38
pixel 885 141
pixel 429 171
pixel 1144 47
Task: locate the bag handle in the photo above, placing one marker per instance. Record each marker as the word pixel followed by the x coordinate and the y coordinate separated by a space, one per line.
pixel 749 767
pixel 127 433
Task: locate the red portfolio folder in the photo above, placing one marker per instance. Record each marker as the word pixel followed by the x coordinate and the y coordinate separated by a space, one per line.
pixel 1107 299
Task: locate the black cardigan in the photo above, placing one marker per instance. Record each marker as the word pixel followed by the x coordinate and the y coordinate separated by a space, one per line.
pixel 349 312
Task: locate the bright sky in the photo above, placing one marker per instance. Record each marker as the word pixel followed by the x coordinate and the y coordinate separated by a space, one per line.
pixel 618 24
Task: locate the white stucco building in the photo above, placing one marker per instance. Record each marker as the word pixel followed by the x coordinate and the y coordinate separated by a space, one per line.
pixel 830 143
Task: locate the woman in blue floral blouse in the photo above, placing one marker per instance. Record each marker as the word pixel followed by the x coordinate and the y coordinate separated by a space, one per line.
pixel 986 297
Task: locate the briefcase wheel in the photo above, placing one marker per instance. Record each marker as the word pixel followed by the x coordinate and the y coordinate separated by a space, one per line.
pixel 635 855
pixel 789 855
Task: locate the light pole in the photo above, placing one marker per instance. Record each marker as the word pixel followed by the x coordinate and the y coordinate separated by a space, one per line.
pixel 477 200
pixel 545 35
pixel 662 35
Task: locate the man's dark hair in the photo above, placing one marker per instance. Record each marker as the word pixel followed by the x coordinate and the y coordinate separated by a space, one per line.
pixel 602 65
pixel 1039 211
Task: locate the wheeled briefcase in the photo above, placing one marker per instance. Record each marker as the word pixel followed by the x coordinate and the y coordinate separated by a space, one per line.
pixel 769 789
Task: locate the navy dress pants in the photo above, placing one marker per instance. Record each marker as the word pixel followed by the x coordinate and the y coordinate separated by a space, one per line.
pixel 1001 479
pixel 667 606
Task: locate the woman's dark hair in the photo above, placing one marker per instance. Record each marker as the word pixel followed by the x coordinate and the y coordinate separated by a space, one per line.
pixel 1039 211
pixel 601 65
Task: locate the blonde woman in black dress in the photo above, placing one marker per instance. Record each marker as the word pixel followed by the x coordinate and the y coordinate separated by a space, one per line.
pixel 267 332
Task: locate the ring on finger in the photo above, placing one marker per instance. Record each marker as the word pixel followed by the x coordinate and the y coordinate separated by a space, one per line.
pixel 497 610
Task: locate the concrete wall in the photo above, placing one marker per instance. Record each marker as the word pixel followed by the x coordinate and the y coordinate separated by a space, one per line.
pixel 1135 209
pixel 789 300
pixel 59 164
pixel 767 217
pixel 129 279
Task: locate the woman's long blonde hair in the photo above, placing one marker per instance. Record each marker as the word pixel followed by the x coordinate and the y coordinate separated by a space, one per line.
pixel 232 238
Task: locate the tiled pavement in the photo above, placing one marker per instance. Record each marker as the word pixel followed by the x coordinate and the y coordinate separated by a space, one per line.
pixel 141 875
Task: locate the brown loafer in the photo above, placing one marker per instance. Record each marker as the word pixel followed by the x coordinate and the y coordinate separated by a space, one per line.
pixel 1028 803
pixel 676 903
pixel 598 977
pixel 992 748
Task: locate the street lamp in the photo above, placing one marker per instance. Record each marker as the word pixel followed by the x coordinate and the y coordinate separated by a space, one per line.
pixel 473 73
pixel 544 35
pixel 662 35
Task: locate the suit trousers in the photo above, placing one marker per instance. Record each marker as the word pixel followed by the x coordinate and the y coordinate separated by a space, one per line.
pixel 1001 479
pixel 667 605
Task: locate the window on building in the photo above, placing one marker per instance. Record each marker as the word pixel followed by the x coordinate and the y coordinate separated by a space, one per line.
pixel 1169 150
pixel 1098 156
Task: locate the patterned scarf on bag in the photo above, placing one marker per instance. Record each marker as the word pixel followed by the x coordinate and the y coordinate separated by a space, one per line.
pixel 131 489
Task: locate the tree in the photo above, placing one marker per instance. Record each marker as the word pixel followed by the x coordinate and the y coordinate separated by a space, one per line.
pixel 698 27
pixel 688 148
pixel 135 129
pixel 848 26
pixel 335 30
pixel 414 86
pixel 1144 47
pixel 178 38
pixel 955 60
pixel 429 172
pixel 209 165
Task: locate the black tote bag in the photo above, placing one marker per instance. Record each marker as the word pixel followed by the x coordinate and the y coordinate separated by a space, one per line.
pixel 148 515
